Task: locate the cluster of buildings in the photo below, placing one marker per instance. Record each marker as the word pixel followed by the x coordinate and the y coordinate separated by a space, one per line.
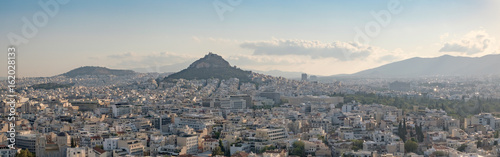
pixel 270 117
pixel 449 88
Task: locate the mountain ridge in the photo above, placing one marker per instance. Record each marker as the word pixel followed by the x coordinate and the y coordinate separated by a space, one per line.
pixel 96 71
pixel 214 66
pixel 445 65
pixel 210 66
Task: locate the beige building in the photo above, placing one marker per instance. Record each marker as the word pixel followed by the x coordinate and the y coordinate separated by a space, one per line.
pixel 190 142
pixel 98 152
pixel 271 134
pixel 76 152
pixel 316 148
pixel 133 147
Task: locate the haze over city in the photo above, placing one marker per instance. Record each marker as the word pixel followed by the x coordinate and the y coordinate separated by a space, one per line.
pixel 318 38
pixel 250 78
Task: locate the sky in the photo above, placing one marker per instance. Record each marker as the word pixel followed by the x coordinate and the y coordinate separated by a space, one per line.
pixel 316 37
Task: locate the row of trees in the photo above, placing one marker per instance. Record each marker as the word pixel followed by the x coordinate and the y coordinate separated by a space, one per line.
pixel 220 150
pixel 419 133
pixel 403 132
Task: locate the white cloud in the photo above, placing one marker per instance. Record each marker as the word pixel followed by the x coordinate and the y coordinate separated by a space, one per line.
pixel 252 60
pixel 343 51
pixel 474 42
pixel 313 57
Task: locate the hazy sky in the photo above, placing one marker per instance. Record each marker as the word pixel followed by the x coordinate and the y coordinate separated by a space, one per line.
pixel 316 37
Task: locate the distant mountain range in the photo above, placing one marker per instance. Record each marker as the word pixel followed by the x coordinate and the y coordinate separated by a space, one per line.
pixel 211 66
pixel 440 66
pixel 95 71
pixel 214 66
pixel 285 74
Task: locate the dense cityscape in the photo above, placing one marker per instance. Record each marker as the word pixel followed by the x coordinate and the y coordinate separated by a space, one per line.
pixel 148 114
pixel 250 78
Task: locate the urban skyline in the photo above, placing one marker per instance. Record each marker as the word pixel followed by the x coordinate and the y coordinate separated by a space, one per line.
pixel 254 35
pixel 250 78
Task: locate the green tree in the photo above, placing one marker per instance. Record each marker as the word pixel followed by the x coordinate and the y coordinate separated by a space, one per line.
pixel 411 146
pixel 323 139
pixel 400 129
pixel 357 145
pixel 404 133
pixel 73 143
pixel 221 145
pixel 298 148
pixel 413 139
pixel 25 153
pixel 457 109
pixel 266 148
pixel 217 151
pixel 217 135
pixel 421 134
pixel 462 148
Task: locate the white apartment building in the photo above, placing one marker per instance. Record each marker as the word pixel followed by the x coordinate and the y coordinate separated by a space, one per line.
pixel 121 109
pixel 110 144
pixel 486 119
pixel 195 121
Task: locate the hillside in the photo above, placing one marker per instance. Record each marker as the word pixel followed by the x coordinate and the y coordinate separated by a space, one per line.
pixel 94 70
pixel 440 66
pixel 48 86
pixel 211 66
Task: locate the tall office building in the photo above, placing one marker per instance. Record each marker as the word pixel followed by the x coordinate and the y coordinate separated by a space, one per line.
pixel 246 97
pixel 304 77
